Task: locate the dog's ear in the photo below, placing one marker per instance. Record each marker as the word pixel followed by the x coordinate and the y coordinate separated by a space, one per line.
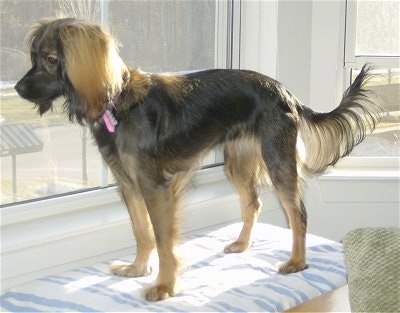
pixel 92 64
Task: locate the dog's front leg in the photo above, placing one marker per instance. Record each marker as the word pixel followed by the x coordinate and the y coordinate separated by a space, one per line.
pixel 162 204
pixel 144 236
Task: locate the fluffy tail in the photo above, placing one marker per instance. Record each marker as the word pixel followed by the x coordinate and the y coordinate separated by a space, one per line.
pixel 330 136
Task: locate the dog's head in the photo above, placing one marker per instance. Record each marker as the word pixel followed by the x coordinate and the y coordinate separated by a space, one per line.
pixel 74 59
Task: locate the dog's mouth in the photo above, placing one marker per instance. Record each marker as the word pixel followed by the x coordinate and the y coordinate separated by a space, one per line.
pixel 44 106
pixel 42 101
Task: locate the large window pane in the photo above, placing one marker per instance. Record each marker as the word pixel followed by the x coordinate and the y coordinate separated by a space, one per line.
pixel 377 41
pixel 378 24
pixel 385 140
pixel 45 156
pixel 161 36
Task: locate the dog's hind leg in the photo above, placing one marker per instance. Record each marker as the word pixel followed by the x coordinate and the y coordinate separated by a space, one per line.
pixel 144 236
pixel 297 216
pixel 242 160
pixel 279 153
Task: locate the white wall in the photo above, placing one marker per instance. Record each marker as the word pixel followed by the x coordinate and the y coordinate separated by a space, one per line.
pixel 294 46
pixel 327 54
pixel 259 37
pixel 300 43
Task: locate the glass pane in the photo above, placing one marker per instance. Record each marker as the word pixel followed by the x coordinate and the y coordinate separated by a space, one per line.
pixel 385 140
pixel 163 36
pixel 44 156
pixel 40 156
pixel 378 24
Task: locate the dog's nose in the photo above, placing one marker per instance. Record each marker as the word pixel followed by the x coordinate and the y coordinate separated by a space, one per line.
pixel 19 87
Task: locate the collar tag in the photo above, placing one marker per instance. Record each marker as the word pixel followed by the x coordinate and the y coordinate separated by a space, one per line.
pixel 109 120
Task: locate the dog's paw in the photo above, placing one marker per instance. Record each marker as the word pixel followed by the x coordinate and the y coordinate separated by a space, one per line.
pixel 291 267
pixel 130 270
pixel 237 247
pixel 158 292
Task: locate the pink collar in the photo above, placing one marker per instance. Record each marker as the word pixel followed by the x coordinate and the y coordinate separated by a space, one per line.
pixel 108 117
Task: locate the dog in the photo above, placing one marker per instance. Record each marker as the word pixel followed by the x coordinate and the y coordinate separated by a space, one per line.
pixel 154 129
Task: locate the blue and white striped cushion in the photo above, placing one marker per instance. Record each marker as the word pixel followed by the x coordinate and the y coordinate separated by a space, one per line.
pixel 210 280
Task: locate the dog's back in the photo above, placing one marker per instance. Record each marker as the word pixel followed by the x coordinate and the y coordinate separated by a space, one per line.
pixel 191 113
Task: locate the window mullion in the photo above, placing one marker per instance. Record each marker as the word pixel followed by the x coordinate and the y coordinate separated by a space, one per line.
pixel 350 40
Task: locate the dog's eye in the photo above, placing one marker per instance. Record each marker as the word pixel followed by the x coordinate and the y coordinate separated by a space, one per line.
pixel 51 59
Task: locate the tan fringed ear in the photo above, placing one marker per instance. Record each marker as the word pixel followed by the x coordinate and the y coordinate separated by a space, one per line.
pixel 93 65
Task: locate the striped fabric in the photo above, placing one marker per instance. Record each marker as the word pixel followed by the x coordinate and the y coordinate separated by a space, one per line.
pixel 210 280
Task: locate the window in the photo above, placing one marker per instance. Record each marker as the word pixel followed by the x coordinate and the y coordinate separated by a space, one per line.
pixel 46 156
pixel 385 140
pixel 372 36
pixel 377 28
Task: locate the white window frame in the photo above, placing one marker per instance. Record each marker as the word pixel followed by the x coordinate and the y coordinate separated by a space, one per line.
pixel 351 59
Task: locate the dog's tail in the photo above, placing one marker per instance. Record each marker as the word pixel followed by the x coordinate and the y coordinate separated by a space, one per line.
pixel 329 136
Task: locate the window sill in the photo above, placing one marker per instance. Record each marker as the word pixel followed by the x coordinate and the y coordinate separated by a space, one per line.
pixel 94 226
pixel 367 168
pixel 361 174
pixel 373 180
pixel 70 228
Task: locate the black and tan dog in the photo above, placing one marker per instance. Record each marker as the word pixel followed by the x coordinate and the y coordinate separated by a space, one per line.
pixel 152 130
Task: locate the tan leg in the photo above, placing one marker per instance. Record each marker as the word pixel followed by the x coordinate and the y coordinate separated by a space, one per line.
pixel 162 204
pixel 285 180
pixel 298 223
pixel 242 161
pixel 249 216
pixel 144 236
